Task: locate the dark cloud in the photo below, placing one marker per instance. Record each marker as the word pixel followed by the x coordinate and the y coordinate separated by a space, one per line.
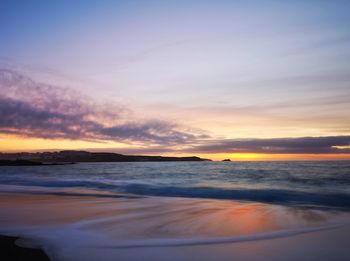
pixel 18 117
pixel 29 108
pixel 307 145
pixel 153 130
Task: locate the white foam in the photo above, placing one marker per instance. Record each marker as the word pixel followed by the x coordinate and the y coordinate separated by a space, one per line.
pixel 223 240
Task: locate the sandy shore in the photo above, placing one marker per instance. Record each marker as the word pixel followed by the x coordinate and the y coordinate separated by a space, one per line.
pixel 87 225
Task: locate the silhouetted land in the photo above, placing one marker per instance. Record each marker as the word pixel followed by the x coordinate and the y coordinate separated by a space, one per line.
pixel 39 158
pixel 10 251
pixel 19 162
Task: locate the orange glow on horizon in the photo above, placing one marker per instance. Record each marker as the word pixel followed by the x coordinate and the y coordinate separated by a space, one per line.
pixel 10 143
pixel 281 157
pixel 269 157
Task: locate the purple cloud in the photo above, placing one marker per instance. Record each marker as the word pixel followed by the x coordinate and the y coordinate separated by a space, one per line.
pixel 307 145
pixel 33 109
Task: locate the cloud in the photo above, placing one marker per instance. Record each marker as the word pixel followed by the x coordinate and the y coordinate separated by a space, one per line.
pixel 29 108
pixel 33 109
pixel 304 145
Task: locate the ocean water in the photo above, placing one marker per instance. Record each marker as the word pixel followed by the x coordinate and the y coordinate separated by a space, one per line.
pixel 318 184
pixel 180 210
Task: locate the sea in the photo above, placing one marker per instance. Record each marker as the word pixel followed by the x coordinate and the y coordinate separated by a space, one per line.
pixel 295 210
pixel 314 184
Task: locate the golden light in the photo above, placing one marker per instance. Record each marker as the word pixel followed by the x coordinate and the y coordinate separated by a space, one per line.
pixel 12 143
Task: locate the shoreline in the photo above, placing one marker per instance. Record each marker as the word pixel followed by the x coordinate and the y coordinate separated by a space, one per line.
pixel 9 250
pixel 76 227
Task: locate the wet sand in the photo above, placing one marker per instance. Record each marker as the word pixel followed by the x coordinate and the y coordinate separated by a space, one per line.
pixel 88 225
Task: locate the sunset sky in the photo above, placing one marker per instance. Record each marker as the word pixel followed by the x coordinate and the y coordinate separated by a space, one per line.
pixel 246 80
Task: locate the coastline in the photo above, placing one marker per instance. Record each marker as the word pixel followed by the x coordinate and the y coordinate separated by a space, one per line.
pixel 81 225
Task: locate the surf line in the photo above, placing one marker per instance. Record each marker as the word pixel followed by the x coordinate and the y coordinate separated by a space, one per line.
pixel 223 240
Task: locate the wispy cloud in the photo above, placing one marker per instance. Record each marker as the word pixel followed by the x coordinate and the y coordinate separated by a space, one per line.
pixel 29 108
pixel 304 145
pixel 32 109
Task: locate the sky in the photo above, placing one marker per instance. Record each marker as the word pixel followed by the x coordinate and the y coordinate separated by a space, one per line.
pixel 248 80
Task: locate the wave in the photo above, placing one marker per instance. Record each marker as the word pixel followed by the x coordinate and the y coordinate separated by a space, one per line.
pixel 274 196
pixel 222 240
pixel 278 196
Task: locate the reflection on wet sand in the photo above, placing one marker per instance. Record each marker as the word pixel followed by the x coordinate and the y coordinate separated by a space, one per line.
pixel 67 224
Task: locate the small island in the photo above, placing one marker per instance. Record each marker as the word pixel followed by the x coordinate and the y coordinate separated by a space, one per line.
pixel 226 160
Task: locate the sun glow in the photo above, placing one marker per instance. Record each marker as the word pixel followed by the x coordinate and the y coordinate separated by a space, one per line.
pixel 273 157
pixel 11 143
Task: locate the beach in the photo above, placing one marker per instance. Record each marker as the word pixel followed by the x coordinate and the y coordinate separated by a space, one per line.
pixel 175 130
pixel 83 224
